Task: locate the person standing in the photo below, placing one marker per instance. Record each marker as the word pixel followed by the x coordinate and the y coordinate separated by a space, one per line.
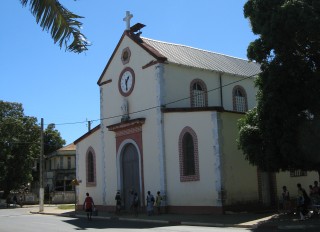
pixel 315 196
pixel 88 206
pixel 286 200
pixel 15 200
pixel 131 200
pixel 303 202
pixel 21 201
pixel 316 189
pixel 136 204
pixel 150 202
pixel 158 202
pixel 118 202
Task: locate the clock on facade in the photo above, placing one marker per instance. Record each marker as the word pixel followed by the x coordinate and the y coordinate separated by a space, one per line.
pixel 126 81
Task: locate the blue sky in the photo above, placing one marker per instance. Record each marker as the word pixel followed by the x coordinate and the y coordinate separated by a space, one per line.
pixel 62 88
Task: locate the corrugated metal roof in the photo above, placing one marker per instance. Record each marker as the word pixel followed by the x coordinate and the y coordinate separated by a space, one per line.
pixel 193 57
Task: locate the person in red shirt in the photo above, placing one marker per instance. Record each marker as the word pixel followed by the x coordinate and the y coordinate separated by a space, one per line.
pixel 88 206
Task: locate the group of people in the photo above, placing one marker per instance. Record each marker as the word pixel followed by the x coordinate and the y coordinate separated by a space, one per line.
pixel 151 203
pixel 304 200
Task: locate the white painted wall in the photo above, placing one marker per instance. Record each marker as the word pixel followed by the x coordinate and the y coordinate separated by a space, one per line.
pixel 229 82
pixel 240 180
pixel 196 193
pixel 143 95
pixel 82 148
pixel 142 102
pixel 177 86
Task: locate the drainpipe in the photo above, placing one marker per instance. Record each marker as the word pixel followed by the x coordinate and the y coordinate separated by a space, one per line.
pixel 221 95
pixel 103 149
pixel 160 124
pixel 218 164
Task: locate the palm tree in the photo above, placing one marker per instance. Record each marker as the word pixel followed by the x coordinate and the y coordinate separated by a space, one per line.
pixel 61 23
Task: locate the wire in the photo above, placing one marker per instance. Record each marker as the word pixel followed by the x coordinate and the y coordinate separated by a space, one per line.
pixel 135 112
pixel 153 107
pixel 169 103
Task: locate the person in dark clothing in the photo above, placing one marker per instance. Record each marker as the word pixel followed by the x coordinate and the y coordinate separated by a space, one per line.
pixel 136 204
pixel 303 202
pixel 15 201
pixel 118 202
pixel 88 205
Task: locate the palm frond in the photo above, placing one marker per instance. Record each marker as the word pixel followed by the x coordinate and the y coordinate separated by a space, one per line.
pixel 60 22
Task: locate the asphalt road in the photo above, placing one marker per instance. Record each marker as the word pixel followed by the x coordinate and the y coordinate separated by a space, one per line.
pixel 20 219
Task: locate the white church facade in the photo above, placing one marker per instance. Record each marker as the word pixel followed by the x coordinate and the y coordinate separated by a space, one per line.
pixel 169 123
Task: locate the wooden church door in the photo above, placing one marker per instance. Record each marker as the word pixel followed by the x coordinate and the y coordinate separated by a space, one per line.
pixel 130 173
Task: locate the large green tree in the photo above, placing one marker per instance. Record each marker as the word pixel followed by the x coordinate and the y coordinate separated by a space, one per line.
pixel 19 146
pixel 62 23
pixel 52 139
pixel 283 132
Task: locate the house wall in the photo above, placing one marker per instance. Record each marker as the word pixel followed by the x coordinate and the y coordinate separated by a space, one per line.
pixel 232 170
pixel 237 169
pixel 92 141
pixel 240 179
pixel 229 82
pixel 177 86
pixel 143 97
pixel 191 193
pixel 56 171
pixel 55 162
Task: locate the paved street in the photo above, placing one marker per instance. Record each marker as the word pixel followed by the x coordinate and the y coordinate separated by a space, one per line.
pixel 22 220
pixel 52 219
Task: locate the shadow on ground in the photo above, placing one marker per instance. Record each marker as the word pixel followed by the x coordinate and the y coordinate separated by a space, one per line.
pixel 84 224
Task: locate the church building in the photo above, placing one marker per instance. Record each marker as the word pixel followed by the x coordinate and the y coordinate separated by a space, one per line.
pixel 169 123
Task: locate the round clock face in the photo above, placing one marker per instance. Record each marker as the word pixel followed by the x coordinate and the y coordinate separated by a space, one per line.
pixel 126 81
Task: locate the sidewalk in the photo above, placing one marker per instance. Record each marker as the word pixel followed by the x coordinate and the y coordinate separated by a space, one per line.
pixel 243 220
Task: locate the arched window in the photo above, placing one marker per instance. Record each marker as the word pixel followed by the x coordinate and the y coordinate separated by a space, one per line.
pixel 188 155
pixel 198 91
pixel 239 99
pixel 91 167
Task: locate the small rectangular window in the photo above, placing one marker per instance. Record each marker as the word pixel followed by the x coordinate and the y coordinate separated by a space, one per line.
pixel 61 162
pixel 69 162
pixel 297 173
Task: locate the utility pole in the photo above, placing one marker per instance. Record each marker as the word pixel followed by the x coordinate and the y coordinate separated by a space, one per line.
pixel 41 190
